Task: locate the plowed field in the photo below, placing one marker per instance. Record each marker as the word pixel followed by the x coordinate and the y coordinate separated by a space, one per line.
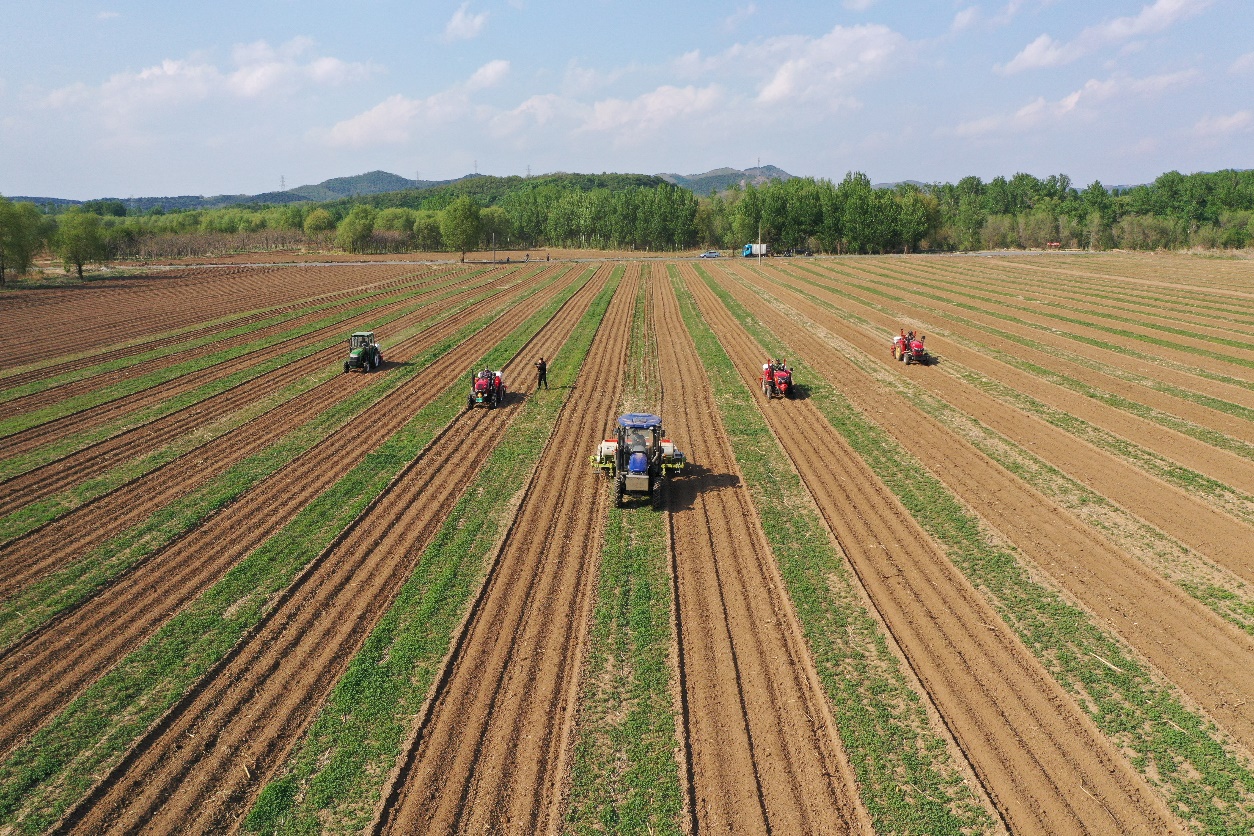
pixel 1009 590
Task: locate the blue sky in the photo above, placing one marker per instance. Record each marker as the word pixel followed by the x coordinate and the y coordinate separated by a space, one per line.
pixel 156 98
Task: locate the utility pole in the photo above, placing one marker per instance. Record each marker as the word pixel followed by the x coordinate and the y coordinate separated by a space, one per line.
pixel 759 241
pixel 494 248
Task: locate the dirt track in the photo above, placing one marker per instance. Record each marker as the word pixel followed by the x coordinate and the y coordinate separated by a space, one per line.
pixel 252 709
pixel 763 752
pixel 1063 776
pixel 490 749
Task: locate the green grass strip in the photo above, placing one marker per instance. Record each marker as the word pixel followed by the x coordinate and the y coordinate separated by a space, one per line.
pixel 333 779
pixel 1097 510
pixel 907 780
pixel 71 443
pixel 1177 749
pixel 40 780
pixel 625 778
pixel 42 383
pixel 69 586
pixel 26 518
pixel 985 310
pixel 139 383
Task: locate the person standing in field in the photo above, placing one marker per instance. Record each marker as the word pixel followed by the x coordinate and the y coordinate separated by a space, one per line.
pixel 542 374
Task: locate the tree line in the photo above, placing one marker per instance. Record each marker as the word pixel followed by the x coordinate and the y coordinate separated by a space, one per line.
pixel 635 212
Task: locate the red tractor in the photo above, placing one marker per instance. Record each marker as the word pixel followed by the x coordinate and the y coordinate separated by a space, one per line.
pixel 776 380
pixel 910 348
pixel 487 388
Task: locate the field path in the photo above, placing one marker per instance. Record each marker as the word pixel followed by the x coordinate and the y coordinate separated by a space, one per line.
pixel 763 752
pixel 1044 764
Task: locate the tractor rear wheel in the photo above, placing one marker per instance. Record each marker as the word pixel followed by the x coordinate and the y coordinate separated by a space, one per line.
pixel 658 497
pixel 620 489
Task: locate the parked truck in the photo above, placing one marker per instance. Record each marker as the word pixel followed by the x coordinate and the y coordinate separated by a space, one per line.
pixel 756 249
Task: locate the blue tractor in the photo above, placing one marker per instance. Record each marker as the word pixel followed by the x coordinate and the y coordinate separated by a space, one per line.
pixel 639 458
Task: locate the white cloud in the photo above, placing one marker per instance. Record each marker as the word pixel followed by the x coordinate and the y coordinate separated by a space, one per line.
pixel 463 25
pixel 965 19
pixel 649 112
pixel 259 70
pixel 1243 65
pixel 801 67
pixel 394 119
pixel 1222 126
pixel 733 20
pixel 1040 111
pixel 1158 17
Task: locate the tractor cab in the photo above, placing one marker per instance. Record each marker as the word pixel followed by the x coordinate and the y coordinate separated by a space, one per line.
pixel 363 352
pixel 639 457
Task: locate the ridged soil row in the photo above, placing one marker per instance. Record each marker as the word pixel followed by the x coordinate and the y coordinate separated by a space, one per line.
pixel 69 389
pixel 123 307
pixel 97 458
pixel 138 345
pixel 1156 272
pixel 25 440
pixel 1206 657
pixel 91 524
pixel 763 753
pixel 492 745
pixel 1189 518
pixel 251 710
pixel 1001 346
pixel 1052 334
pixel 1044 764
pixel 45 670
pixel 949 288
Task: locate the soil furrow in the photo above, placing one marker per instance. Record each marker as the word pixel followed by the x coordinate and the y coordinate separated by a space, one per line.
pixel 488 750
pixel 1044 764
pixel 93 523
pixel 762 744
pixel 1187 517
pixel 38 676
pixel 255 707
pixel 1206 657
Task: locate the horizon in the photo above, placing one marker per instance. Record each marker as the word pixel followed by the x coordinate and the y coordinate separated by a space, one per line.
pixel 238 99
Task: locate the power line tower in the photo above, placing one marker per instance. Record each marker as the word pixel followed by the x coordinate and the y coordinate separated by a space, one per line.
pixel 282 183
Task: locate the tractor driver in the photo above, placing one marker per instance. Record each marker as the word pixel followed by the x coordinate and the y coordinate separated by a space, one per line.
pixel 637 441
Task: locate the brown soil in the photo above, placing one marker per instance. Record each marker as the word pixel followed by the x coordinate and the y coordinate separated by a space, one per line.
pixel 248 713
pixel 47 668
pixel 1197 650
pixel 1044 764
pixel 763 754
pixel 490 750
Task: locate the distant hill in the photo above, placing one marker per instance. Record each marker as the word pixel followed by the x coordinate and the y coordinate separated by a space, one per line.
pixel 722 179
pixel 488 190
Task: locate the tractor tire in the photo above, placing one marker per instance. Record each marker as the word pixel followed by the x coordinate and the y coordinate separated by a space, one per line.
pixel 620 491
pixel 766 390
pixel 346 368
pixel 658 492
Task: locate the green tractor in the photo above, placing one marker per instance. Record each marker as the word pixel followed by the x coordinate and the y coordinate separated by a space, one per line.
pixel 363 352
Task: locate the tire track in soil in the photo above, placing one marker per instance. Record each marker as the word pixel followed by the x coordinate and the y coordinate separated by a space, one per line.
pixel 412 277
pixel 25 440
pixel 99 457
pixel 226 738
pixel 43 672
pixel 491 747
pixel 69 537
pixel 1046 767
pixel 762 751
pixel 1206 657
pixel 1195 522
pixel 74 388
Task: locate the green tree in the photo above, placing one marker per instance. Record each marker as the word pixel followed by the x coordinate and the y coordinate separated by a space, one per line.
pixel 459 225
pixel 80 238
pixel 353 233
pixel 21 236
pixel 427 232
pixel 319 221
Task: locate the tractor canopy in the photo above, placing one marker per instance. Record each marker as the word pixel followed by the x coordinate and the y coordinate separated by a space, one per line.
pixel 640 421
pixel 361 339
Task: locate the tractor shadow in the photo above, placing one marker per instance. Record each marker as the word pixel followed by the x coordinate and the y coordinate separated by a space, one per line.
pixel 682 491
